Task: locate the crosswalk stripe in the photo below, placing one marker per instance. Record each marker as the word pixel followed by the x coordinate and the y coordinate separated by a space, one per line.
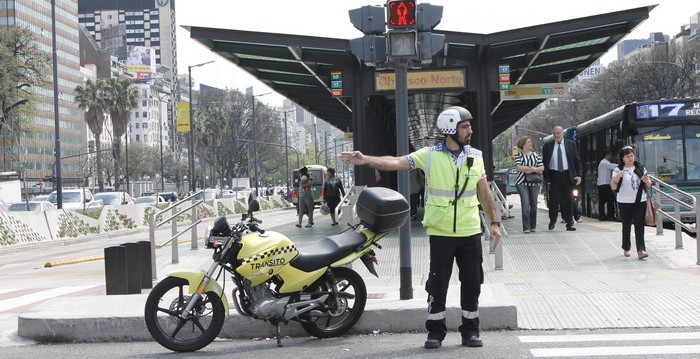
pixel 618 351
pixel 604 337
pixel 26 299
pixel 7 290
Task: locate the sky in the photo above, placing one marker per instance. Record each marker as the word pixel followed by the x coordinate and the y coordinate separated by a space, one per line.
pixel 329 18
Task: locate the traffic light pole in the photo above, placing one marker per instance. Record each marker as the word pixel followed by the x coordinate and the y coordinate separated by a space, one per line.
pixel 405 271
pixel 409 40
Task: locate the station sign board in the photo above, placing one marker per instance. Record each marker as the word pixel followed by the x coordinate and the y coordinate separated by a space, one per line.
pixel 535 91
pixel 423 80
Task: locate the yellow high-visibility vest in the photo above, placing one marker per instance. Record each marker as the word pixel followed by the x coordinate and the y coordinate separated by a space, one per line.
pixel 444 216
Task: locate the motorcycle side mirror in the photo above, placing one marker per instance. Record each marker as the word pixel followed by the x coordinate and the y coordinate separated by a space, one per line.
pixel 253 206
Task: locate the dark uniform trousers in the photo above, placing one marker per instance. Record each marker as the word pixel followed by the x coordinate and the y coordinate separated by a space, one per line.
pixel 443 253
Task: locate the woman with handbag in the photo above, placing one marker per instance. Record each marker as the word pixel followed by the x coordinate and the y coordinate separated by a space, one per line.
pixel 529 166
pixel 629 180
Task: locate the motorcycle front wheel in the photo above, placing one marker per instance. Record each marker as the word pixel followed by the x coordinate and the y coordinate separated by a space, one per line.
pixel 193 332
pixel 337 316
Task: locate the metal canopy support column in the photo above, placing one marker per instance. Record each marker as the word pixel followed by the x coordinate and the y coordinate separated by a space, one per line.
pixel 484 131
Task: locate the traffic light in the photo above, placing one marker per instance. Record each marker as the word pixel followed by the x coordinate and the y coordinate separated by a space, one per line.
pixel 403 45
pixel 430 44
pixel 401 14
pixel 429 16
pixel 368 19
pixel 371 48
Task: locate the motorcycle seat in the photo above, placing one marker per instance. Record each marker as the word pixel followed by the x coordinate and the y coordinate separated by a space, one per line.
pixel 326 251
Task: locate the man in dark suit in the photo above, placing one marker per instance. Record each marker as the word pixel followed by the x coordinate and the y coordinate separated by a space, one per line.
pixel 562 171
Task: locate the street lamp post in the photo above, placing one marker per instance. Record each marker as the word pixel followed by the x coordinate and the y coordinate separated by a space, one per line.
pixel 193 183
pixel 666 81
pixel 57 122
pixel 255 142
pixel 286 149
pixel 160 128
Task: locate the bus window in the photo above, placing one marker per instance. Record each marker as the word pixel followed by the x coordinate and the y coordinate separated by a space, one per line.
pixel 660 150
pixel 692 151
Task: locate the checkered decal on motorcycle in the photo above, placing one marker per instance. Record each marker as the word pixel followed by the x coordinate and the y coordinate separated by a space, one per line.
pixel 267 254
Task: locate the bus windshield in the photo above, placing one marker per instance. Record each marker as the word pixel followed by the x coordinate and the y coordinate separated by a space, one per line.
pixel 660 150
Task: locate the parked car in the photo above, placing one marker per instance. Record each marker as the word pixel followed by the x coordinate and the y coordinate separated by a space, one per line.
pixel 211 194
pixel 77 199
pixel 169 196
pixel 41 197
pixel 39 206
pixel 114 198
pixel 150 200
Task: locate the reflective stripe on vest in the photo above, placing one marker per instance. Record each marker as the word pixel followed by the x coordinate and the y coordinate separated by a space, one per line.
pixel 450 193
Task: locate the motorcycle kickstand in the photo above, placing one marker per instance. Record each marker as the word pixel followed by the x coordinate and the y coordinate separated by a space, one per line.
pixel 279 338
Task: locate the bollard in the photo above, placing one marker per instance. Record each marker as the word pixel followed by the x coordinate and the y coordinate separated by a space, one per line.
pixel 146 272
pixel 133 268
pixel 115 270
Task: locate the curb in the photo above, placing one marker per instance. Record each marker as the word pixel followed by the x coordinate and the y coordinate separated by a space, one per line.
pixel 119 318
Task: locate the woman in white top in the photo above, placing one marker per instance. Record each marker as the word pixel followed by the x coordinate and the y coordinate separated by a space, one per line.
pixel 527 161
pixel 629 179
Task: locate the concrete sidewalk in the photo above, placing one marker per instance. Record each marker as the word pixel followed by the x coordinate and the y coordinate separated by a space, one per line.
pixel 550 280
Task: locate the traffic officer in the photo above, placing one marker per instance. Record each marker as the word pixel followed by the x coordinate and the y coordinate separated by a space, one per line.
pixel 455 186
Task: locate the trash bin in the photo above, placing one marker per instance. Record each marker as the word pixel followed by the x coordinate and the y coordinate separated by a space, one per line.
pixel 146 269
pixel 115 270
pixel 133 268
pixel 502 186
pixel 128 268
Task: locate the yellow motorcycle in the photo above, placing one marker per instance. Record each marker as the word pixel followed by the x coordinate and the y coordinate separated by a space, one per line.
pixel 274 280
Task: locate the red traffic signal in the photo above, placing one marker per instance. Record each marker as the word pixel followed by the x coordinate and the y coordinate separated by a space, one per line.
pixel 401 14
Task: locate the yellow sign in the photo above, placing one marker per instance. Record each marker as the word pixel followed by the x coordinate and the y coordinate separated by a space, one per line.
pixel 535 91
pixel 183 116
pixel 418 80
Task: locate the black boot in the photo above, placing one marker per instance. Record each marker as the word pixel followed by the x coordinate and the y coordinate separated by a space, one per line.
pixel 470 333
pixel 432 344
pixel 437 329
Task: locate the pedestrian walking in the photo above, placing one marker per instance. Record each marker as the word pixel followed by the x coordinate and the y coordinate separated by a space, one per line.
pixel 455 186
pixel 629 179
pixel 606 196
pixel 526 161
pixel 306 197
pixel 332 192
pixel 562 171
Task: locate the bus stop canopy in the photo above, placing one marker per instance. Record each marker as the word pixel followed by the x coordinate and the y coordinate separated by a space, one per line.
pixel 299 67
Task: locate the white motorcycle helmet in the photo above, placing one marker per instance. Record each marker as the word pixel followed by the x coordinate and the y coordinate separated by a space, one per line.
pixel 448 119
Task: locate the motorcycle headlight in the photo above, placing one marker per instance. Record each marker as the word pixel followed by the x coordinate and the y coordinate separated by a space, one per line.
pixel 575 193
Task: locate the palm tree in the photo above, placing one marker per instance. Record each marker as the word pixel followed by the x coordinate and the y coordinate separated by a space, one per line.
pixel 91 98
pixel 122 98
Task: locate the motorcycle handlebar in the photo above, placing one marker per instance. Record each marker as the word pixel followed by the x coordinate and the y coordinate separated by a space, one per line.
pixel 255 228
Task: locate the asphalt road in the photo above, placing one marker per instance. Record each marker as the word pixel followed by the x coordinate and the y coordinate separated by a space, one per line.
pixel 606 344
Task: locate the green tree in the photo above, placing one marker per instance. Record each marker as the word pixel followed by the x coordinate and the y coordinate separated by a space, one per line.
pixel 121 98
pixel 22 64
pixel 91 97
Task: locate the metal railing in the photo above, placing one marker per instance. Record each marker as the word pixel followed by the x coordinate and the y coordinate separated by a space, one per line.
pixel 152 225
pixel 684 204
pixel 503 211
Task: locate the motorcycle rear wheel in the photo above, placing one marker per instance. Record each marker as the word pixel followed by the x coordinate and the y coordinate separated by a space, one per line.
pixel 340 317
pixel 162 313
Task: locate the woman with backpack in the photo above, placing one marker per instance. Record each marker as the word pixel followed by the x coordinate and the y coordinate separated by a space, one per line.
pixel 332 192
